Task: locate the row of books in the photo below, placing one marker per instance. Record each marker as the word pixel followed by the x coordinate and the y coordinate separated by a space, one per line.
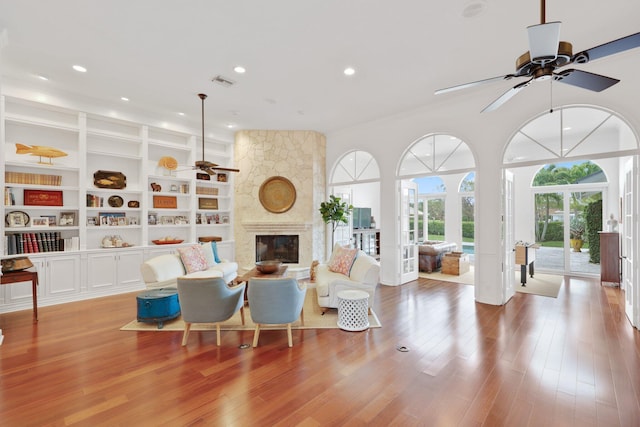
pixel 30 243
pixel 32 178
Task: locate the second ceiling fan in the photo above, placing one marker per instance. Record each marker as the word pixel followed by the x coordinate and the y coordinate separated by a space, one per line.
pixel 547 54
pixel 204 165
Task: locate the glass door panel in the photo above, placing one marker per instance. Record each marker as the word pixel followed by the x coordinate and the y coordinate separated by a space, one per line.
pixel 581 258
pixel 549 230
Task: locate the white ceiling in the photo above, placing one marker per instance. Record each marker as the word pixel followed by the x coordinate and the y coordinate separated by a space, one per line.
pixel 161 53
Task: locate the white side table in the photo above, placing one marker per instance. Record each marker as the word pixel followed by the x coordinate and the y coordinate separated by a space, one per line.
pixel 353 310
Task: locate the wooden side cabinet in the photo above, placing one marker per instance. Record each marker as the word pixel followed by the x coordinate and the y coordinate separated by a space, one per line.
pixel 609 257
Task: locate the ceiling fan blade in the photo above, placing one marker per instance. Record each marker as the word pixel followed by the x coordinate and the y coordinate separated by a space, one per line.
pixel 506 96
pixel 226 169
pixel 616 46
pixel 472 84
pixel 585 80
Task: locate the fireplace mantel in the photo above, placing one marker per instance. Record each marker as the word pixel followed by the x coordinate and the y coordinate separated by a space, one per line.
pixel 275 227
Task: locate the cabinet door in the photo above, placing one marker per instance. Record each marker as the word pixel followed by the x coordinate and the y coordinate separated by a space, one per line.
pixel 101 270
pixel 62 274
pixel 129 269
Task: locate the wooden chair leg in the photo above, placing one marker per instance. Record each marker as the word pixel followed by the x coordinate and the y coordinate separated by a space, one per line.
pixel 218 334
pixel 185 335
pixel 302 317
pixel 289 335
pixel 256 334
pixel 242 314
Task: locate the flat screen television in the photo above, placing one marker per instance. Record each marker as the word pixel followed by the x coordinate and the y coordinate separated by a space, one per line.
pixel 361 217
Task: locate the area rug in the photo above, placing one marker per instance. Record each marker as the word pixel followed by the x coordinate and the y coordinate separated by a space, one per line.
pixel 466 278
pixel 547 285
pixel 313 319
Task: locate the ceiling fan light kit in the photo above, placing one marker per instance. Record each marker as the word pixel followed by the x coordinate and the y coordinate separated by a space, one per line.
pixel 546 55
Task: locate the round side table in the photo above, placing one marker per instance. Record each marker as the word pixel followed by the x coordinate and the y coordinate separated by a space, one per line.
pixel 353 310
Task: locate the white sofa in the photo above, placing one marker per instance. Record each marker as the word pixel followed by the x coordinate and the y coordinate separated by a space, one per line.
pixel 364 275
pixel 163 271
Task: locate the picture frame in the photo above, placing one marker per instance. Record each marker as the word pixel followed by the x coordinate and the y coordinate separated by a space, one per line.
pixel 52 219
pixel 165 202
pixel 40 222
pixel 167 220
pixel 111 218
pixel 181 220
pixel 122 221
pixel 207 203
pixel 225 219
pixel 67 219
pixel 133 220
pixel 152 218
pixel 203 176
pixel 222 177
pixel 42 198
pixel 92 221
pixel 198 218
pixel 16 219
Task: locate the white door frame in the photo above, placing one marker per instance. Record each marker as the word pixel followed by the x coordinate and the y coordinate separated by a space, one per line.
pixel 629 241
pixel 408 230
pixel 508 235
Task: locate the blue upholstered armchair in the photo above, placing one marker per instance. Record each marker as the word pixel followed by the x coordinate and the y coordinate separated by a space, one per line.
pixel 275 302
pixel 208 300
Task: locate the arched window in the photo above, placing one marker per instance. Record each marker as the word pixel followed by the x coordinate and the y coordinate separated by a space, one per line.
pixel 355 166
pixel 576 132
pixel 436 153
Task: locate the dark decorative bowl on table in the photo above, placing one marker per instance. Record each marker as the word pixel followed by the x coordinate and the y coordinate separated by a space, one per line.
pixel 268 267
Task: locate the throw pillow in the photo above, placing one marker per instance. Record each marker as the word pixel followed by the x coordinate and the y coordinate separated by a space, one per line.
pixel 342 260
pixel 208 254
pixel 193 258
pixel 214 246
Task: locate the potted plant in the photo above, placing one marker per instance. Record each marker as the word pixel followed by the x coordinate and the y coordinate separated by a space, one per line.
pixel 576 231
pixel 335 211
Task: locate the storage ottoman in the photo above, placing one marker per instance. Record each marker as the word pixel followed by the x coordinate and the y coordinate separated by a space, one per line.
pixel 158 305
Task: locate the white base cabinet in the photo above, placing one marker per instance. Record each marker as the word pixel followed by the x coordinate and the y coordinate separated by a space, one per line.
pixel 114 269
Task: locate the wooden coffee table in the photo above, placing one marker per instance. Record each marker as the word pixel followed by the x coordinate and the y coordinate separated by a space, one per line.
pixel 255 273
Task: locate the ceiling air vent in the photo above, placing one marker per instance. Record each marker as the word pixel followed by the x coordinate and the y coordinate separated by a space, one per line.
pixel 223 81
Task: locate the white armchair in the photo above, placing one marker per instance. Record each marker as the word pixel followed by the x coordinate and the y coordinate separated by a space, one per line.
pixel 364 275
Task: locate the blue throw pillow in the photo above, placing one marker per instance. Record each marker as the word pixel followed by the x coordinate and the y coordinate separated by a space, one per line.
pixel 215 252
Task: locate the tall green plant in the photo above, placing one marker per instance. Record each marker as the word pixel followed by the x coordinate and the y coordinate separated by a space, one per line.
pixel 335 211
pixel 593 217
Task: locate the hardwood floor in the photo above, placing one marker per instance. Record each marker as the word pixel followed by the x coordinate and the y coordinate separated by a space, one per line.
pixel 537 361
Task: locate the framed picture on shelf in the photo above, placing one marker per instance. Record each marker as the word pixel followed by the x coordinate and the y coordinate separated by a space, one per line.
pixel 92 221
pixel 112 218
pixel 222 177
pixel 152 219
pixel 181 219
pixel 51 218
pixel 133 220
pixel 207 203
pixel 40 222
pixel 167 220
pixel 43 198
pixel 17 219
pixel 203 176
pixel 198 218
pixel 67 219
pixel 165 202
pixel 225 219
pixel 122 221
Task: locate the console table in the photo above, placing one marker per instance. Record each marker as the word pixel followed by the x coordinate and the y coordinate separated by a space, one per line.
pixel 24 276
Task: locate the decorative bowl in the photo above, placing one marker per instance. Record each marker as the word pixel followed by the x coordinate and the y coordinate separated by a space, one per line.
pixel 268 267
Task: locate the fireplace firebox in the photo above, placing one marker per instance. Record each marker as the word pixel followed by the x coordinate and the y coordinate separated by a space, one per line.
pixel 280 247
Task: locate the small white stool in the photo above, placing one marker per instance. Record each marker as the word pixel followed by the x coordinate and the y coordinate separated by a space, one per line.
pixel 353 310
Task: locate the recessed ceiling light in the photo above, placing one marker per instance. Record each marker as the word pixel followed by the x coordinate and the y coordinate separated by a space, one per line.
pixel 124 98
pixel 231 125
pixel 41 77
pixel 566 128
pixel 349 71
pixel 181 113
pixel 239 69
pixel 80 68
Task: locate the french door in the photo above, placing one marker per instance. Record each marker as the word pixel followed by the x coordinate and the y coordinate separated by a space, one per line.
pixel 629 231
pixel 508 236
pixel 408 231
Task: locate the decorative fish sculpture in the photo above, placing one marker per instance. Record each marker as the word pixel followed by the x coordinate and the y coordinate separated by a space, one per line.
pixel 40 150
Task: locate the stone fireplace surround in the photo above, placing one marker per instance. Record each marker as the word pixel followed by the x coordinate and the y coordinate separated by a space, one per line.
pixel 298 156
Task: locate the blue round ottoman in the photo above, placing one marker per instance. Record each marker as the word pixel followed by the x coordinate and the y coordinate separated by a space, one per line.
pixel 158 305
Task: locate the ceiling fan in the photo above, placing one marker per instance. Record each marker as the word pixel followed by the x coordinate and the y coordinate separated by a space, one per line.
pixel 547 54
pixel 204 165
